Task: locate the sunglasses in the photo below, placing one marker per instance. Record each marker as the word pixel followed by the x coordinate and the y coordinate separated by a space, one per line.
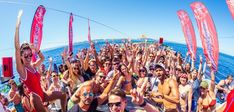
pixel 102 77
pixel 55 75
pixel 151 69
pixel 142 70
pixel 86 94
pixel 178 70
pixel 91 65
pixel 115 63
pixel 75 68
pixel 29 55
pixel 107 64
pixel 117 104
pixel 13 83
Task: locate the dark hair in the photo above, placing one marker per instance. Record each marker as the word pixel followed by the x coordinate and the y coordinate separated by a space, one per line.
pixel 119 68
pixel 229 76
pixel 60 68
pixel 21 89
pixel 74 60
pixel 65 67
pixel 116 60
pixel 23 47
pixel 118 92
pixel 143 68
pixel 140 52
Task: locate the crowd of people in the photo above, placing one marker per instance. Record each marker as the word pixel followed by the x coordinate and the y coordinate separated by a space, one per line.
pixel 151 77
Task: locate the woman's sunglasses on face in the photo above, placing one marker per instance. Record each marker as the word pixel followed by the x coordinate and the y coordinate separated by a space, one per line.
pixel 151 69
pixel 13 83
pixel 107 64
pixel 142 70
pixel 55 75
pixel 117 104
pixel 115 63
pixel 102 76
pixel 28 55
pixel 76 68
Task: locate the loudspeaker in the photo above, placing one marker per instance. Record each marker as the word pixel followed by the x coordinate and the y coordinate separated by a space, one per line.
pixel 7 67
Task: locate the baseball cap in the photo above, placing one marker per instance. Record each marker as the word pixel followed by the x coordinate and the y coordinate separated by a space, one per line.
pixel 160 65
pixel 204 84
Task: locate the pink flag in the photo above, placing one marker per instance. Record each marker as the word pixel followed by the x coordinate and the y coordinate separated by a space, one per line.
pixel 89 36
pixel 189 34
pixel 70 34
pixel 207 33
pixel 230 4
pixel 36 29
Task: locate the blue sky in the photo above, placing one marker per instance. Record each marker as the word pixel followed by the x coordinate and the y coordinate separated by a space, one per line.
pixel 154 18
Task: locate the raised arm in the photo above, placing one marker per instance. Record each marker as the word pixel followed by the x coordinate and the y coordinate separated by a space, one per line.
pixel 192 64
pixel 50 68
pixel 96 56
pixel 106 91
pixel 212 83
pixel 212 77
pixel 199 73
pixel 66 58
pixel 19 65
pixel 80 57
pixel 41 58
pixel 86 61
pixel 145 56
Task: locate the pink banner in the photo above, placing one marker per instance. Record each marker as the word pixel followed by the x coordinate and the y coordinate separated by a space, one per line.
pixel 189 34
pixel 70 34
pixel 89 36
pixel 230 4
pixel 207 33
pixel 36 29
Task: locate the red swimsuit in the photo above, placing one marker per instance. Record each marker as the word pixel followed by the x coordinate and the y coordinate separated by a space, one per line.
pixel 212 103
pixel 32 81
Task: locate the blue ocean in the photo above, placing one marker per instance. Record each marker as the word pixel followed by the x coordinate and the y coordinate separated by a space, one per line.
pixel 226 62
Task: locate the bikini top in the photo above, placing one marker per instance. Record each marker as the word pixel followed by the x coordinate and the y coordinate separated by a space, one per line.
pixel 212 103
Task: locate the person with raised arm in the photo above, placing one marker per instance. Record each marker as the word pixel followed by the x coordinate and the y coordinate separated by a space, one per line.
pixel 195 82
pixel 207 100
pixel 84 99
pixel 91 65
pixel 28 73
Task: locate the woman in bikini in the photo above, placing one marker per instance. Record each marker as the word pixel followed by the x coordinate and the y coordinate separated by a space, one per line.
pixel 185 91
pixel 29 75
pixel 207 99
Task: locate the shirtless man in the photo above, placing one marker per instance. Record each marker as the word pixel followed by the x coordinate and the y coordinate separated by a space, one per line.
pixel 168 93
pixel 15 97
